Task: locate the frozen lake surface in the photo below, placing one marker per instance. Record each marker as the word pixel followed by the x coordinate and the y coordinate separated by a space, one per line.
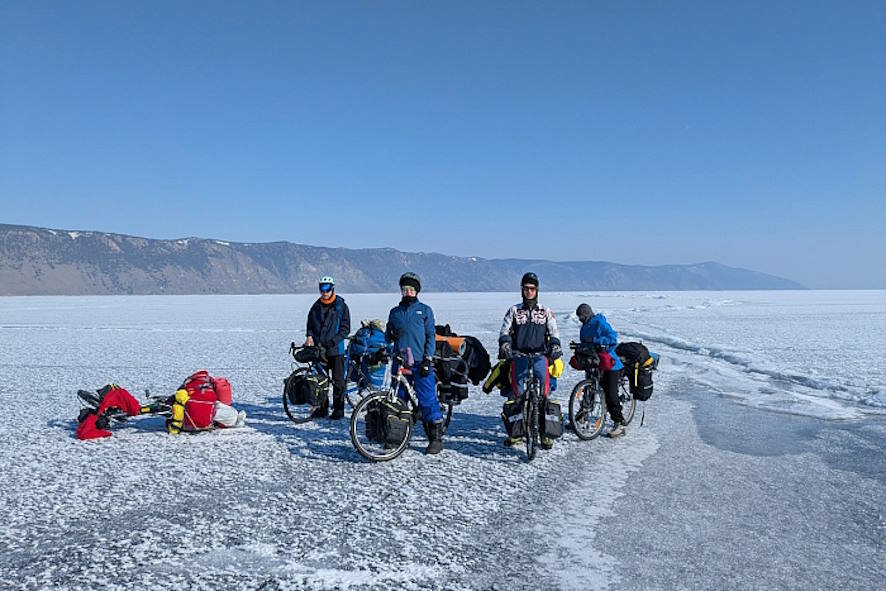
pixel 760 463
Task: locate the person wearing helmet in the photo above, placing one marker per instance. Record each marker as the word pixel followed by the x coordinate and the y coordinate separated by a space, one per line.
pixel 597 334
pixel 530 327
pixel 411 329
pixel 329 323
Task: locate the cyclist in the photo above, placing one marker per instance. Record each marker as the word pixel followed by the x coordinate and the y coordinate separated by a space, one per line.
pixel 596 333
pixel 329 322
pixel 411 329
pixel 530 327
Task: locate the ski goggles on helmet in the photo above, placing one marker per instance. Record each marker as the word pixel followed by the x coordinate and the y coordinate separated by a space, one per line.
pixel 326 287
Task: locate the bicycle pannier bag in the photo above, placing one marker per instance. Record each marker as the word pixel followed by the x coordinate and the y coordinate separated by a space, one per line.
pixel 374 430
pixel 396 418
pixel 512 416
pixel 304 388
pixel 553 419
pixel 640 379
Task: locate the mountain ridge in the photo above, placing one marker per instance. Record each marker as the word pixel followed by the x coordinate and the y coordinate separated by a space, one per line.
pixel 49 261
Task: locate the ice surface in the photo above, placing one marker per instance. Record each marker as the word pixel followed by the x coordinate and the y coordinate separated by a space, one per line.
pixel 295 507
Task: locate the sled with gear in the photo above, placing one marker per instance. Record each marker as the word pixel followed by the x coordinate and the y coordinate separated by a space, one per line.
pixel 110 405
pixel 201 403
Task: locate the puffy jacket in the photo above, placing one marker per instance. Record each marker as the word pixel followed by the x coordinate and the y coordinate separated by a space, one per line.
pixel 329 325
pixel 597 332
pixel 531 330
pixel 411 325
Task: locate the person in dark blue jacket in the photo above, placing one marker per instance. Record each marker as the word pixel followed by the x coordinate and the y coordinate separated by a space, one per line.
pixel 597 334
pixel 329 322
pixel 411 329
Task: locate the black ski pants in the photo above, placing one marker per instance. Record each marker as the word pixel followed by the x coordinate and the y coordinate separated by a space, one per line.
pixel 609 383
pixel 335 368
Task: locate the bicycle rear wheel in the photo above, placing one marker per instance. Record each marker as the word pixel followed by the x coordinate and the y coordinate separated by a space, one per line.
pixel 367 433
pixel 445 408
pixel 628 402
pixel 587 410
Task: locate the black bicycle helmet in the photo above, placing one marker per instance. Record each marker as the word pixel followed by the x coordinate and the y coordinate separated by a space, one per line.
pixel 529 279
pixel 411 279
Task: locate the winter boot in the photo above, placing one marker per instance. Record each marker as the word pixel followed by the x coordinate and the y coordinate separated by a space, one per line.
pixel 618 429
pixel 320 412
pixel 434 431
pixel 338 409
pixel 546 442
pixel 509 441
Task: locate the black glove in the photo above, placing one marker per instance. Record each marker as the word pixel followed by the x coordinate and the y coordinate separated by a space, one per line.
pixel 329 345
pixel 425 368
pixel 504 351
pixel 556 352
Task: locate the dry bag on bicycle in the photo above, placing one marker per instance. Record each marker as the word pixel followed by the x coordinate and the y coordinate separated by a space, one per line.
pixel 553 426
pixel 638 368
pixel 305 388
pixel 512 416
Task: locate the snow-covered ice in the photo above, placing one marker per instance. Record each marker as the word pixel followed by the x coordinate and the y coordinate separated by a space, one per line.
pixel 760 463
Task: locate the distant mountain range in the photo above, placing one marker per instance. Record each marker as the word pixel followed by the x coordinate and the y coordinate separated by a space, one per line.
pixel 41 261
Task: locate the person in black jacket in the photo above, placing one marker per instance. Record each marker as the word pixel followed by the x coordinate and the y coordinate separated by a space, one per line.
pixel 329 323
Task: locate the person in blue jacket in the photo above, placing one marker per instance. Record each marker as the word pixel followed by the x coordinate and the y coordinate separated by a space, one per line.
pixel 411 329
pixel 329 322
pixel 596 333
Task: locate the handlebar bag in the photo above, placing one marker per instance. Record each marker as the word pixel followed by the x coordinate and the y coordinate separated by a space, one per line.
pixel 308 355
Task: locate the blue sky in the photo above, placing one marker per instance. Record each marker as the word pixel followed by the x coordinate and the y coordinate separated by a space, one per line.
pixel 752 134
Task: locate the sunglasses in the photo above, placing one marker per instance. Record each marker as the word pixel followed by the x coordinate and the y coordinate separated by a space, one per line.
pixel 530 287
pixel 407 289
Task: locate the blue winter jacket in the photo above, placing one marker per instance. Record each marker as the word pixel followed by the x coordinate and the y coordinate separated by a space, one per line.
pixel 329 325
pixel 412 325
pixel 597 331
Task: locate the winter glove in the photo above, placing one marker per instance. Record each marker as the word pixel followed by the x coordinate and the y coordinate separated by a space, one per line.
pixel 329 345
pixel 504 350
pixel 556 368
pixel 425 368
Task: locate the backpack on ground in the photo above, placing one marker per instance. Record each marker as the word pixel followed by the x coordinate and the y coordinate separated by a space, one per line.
pixel 639 364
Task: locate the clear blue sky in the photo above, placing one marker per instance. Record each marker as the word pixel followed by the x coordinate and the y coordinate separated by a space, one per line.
pixel 753 133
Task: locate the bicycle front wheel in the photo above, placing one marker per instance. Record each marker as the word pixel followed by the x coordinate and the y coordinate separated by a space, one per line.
pixel 530 422
pixel 587 410
pixel 297 413
pixel 369 434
